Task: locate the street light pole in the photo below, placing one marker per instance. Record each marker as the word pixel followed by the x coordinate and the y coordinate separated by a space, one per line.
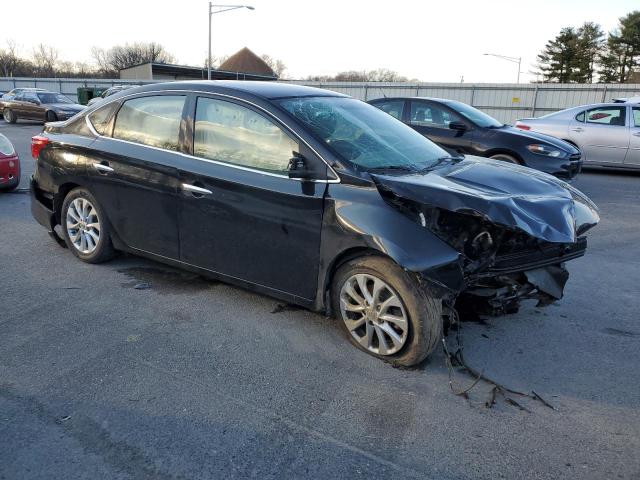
pixel 224 8
pixel 517 60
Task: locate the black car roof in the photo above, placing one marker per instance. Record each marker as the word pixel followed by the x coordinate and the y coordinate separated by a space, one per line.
pixel 267 90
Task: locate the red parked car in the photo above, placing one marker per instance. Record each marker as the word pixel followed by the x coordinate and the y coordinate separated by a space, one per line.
pixel 9 165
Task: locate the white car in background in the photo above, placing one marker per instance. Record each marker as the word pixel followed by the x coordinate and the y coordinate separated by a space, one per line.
pixel 608 134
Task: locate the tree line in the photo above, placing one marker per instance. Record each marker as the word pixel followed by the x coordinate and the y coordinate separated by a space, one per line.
pixel 586 55
pixel 45 62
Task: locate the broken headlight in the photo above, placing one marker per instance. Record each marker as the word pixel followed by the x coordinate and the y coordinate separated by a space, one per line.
pixel 470 235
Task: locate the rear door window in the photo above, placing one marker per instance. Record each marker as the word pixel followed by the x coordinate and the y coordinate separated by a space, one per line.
pixel 636 116
pixel 153 121
pixel 392 107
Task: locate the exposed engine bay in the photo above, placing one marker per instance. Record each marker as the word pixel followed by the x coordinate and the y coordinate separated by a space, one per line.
pixel 512 247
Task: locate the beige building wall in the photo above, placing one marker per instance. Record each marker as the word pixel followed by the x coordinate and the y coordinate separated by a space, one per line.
pixel 139 72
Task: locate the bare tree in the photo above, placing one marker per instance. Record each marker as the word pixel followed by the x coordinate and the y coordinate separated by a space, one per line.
pixel 378 75
pixel 9 59
pixel 128 55
pixel 277 65
pixel 45 58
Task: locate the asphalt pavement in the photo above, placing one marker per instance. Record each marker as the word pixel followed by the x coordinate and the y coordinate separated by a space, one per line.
pixel 134 370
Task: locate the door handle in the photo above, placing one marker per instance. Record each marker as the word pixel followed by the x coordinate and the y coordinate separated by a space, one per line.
pixel 637 134
pixel 102 168
pixel 195 190
pixel 578 129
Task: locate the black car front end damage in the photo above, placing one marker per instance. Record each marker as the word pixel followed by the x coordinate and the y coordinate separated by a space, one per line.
pixel 513 231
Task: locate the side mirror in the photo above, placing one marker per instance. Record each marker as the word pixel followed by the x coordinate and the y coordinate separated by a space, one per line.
pixel 298 167
pixel 458 126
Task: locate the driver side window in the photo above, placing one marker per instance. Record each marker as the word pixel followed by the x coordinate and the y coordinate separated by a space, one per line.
pixel 425 114
pixel 230 133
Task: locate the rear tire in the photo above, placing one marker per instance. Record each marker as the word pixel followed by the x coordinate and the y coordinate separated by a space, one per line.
pixel 422 312
pixel 85 227
pixel 506 158
pixel 51 116
pixel 9 116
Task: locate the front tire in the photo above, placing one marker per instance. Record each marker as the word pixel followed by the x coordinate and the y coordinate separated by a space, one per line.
pixel 51 116
pixel 85 227
pixel 9 116
pixel 384 311
pixel 506 158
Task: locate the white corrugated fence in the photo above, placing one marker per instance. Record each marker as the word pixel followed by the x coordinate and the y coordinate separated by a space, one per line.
pixel 505 101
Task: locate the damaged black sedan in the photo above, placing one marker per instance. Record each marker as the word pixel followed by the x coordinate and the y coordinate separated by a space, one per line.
pixel 311 197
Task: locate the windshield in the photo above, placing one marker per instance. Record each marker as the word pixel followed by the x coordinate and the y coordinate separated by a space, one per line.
pixel 476 116
pixel 364 135
pixel 53 98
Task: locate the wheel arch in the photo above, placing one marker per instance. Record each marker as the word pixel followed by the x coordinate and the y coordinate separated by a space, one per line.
pixel 58 199
pixel 339 260
pixel 504 151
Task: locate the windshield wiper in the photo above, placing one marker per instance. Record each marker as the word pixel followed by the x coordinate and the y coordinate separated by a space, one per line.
pixel 396 168
pixel 442 160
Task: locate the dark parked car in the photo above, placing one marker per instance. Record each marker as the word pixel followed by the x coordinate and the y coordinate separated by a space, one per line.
pixel 40 105
pixel 462 129
pixel 312 197
pixel 9 166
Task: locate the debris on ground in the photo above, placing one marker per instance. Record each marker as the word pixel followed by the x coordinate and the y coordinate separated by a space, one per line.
pixel 456 359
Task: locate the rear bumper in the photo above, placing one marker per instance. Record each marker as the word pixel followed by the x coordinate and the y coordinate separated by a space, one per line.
pixel 40 209
pixel 9 171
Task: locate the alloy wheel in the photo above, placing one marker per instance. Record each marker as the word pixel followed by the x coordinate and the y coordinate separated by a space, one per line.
pixel 374 314
pixel 83 225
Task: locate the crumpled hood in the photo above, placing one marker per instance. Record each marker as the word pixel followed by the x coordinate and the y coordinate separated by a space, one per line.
pixel 508 195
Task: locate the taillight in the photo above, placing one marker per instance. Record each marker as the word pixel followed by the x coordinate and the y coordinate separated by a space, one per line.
pixel 523 127
pixel 38 143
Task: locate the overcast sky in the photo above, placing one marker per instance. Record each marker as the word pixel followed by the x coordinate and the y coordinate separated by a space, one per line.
pixel 428 40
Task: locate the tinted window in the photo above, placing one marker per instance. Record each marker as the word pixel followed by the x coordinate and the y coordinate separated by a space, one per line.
pixel 52 98
pixel 364 135
pixel 101 117
pixel 153 121
pixel 607 116
pixel 476 116
pixel 392 107
pixel 230 133
pixel 431 115
pixel 636 116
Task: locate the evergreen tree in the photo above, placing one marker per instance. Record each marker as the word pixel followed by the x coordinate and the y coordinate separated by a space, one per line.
pixel 589 45
pixel 557 61
pixel 622 54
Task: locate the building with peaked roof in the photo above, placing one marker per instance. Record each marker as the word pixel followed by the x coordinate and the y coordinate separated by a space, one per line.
pixel 247 62
pixel 165 71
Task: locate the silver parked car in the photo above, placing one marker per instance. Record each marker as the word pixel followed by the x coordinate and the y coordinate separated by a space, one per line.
pixel 608 134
